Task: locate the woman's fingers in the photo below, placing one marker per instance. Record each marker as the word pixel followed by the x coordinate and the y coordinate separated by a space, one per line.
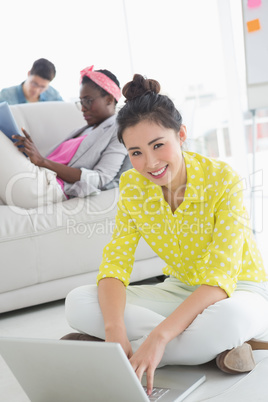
pixel 140 370
pixel 18 137
pixel 150 380
pixel 147 358
pixel 26 134
pixel 130 353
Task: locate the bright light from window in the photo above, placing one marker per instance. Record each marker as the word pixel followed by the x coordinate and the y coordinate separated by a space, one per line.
pixel 174 41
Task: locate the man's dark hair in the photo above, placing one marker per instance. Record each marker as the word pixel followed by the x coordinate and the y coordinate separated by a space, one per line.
pixel 44 69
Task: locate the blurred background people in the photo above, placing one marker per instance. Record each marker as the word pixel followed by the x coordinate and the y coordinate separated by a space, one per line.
pixel 36 88
pixel 89 161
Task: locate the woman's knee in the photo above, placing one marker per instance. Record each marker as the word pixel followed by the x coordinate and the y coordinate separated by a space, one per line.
pixel 78 301
pixel 225 324
pixel 83 311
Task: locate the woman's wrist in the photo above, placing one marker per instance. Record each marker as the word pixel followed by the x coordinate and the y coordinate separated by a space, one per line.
pixel 167 330
pixel 160 336
pixel 115 327
pixel 44 163
pixel 115 333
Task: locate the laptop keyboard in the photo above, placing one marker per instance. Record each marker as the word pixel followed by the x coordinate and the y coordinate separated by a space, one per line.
pixel 157 393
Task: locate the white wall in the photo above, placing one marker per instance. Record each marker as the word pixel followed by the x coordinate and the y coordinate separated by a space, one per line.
pixel 174 41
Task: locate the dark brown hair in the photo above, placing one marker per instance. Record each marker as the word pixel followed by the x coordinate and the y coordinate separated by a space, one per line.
pixel 144 102
pixel 44 69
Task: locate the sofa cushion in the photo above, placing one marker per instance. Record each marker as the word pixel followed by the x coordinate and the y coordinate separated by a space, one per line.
pixel 58 240
pixel 48 123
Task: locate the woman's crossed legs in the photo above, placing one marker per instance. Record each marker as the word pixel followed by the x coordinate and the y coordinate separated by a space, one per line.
pixel 222 326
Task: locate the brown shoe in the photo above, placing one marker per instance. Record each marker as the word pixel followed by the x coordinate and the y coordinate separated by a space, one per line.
pixel 77 336
pixel 258 345
pixel 237 360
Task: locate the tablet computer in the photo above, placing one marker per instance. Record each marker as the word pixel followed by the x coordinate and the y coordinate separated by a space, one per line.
pixel 8 124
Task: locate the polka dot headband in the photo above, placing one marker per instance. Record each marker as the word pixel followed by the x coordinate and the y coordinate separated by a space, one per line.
pixel 102 81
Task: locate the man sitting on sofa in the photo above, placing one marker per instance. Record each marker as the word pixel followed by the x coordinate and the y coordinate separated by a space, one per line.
pixel 35 88
pixel 91 159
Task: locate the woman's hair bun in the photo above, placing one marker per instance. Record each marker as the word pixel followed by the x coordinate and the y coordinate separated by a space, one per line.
pixel 140 86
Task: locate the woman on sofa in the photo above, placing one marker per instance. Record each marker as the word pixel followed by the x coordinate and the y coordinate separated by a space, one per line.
pixel 89 161
pixel 189 209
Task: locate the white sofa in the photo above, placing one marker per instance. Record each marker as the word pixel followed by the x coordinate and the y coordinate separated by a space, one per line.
pixel 46 252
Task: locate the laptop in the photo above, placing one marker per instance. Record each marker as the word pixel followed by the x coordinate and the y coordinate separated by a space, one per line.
pixel 8 124
pixel 68 371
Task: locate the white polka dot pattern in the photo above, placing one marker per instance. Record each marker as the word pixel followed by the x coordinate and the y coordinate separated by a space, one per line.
pixel 207 240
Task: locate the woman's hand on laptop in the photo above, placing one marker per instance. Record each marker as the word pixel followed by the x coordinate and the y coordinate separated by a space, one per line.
pixel 119 336
pixel 147 358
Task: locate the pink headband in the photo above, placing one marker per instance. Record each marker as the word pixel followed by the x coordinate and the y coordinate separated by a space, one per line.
pixel 102 80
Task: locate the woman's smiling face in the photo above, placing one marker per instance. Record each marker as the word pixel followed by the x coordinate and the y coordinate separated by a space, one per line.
pixel 155 152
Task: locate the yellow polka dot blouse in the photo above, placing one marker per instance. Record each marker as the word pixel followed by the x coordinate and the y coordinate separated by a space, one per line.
pixel 207 240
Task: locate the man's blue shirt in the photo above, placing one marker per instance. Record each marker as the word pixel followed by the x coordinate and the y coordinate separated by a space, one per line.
pixel 14 95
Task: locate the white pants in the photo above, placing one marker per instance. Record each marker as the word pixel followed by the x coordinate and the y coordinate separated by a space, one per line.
pixel 22 183
pixel 223 325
